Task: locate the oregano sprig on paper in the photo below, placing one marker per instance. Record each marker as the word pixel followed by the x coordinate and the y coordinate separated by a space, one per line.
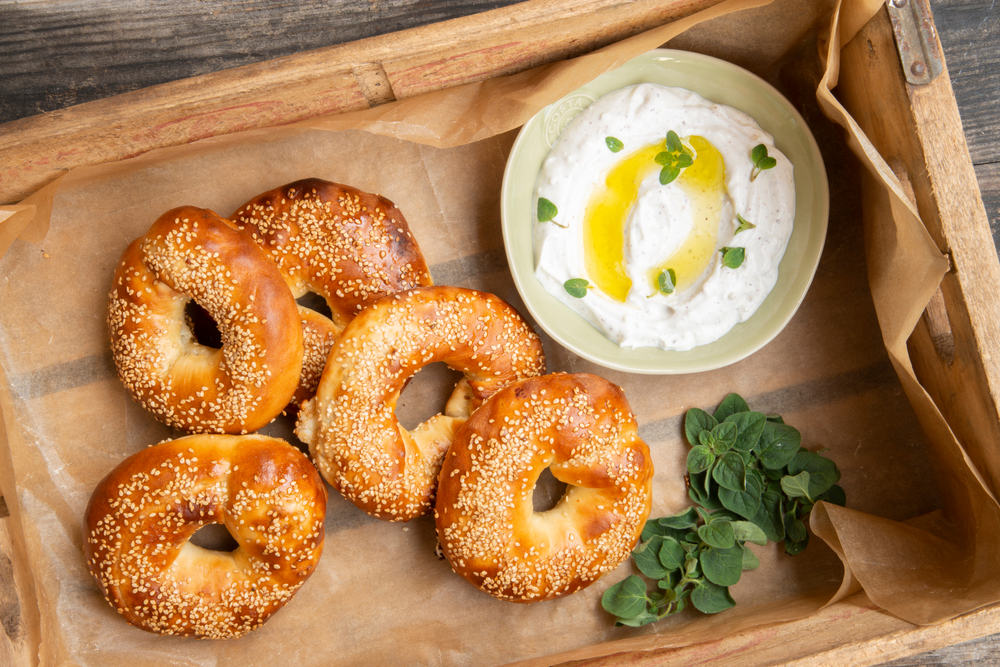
pixel 751 482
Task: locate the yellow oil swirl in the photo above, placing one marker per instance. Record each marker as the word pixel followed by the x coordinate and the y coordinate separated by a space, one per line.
pixel 607 210
pixel 604 221
pixel 704 183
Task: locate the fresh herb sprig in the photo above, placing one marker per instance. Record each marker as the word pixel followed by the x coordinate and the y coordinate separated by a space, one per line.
pixel 744 224
pixel 761 161
pixel 577 287
pixel 675 158
pixel 614 144
pixel 666 281
pixel 751 481
pixel 547 211
pixel 733 257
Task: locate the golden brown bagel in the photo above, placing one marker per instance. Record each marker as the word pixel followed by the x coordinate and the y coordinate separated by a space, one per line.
pixel 192 253
pixel 141 516
pixel 348 246
pixel 351 426
pixel 582 429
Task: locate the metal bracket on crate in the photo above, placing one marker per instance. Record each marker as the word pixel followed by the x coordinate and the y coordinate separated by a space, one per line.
pixel 916 40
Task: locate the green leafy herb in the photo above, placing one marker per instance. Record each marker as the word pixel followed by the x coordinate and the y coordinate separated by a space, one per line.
pixel 751 482
pixel 614 144
pixel 733 257
pixel 675 158
pixel 666 281
pixel 744 224
pixel 547 212
pixel 577 287
pixel 761 160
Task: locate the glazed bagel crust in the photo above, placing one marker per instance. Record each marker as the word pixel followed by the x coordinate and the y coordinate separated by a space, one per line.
pixel 351 427
pixel 192 253
pixel 141 516
pixel 348 246
pixel 580 427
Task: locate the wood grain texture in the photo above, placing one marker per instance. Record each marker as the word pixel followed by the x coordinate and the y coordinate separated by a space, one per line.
pixel 56 54
pixel 35 150
pixel 970 34
pixel 61 53
pixel 917 129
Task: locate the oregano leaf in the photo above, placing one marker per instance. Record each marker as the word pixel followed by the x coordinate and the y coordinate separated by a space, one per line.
pixel 671 555
pixel 747 531
pixel 697 420
pixel 718 534
pixel 749 426
pixel 577 287
pixel 686 519
pixel 547 211
pixel 709 598
pixel 647 558
pixel 666 281
pixel 730 406
pixel 723 567
pixel 669 175
pixel 744 224
pixel 778 445
pixel 674 144
pixel 626 599
pixel 796 486
pixel 750 560
pixel 733 257
pixel 700 459
pixel 730 472
pixel 614 144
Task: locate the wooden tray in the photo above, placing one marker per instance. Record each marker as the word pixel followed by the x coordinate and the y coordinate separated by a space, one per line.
pixel 954 349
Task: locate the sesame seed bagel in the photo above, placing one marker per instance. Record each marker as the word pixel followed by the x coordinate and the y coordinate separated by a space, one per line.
pixel 192 253
pixel 351 426
pixel 348 246
pixel 582 429
pixel 142 515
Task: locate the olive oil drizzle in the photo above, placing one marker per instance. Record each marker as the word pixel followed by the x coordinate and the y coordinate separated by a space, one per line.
pixel 609 205
pixel 704 183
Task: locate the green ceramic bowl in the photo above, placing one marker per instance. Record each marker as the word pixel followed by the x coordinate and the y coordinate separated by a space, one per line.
pixel 715 80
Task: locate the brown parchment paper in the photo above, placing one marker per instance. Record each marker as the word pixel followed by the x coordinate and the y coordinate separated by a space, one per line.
pixel 920 529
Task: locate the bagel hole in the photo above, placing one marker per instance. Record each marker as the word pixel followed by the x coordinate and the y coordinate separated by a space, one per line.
pixel 202 326
pixel 315 302
pixel 214 537
pixel 425 394
pixel 548 492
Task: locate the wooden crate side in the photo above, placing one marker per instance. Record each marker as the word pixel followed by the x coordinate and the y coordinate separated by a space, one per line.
pixel 35 150
pixel 917 129
pixel 852 632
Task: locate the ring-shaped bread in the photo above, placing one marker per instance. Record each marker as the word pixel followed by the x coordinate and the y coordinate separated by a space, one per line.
pixel 142 515
pixel 351 426
pixel 347 246
pixel 192 253
pixel 582 429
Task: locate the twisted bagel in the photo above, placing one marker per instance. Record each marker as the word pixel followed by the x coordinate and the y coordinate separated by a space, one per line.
pixel 351 427
pixel 192 253
pixel 348 246
pixel 581 428
pixel 141 516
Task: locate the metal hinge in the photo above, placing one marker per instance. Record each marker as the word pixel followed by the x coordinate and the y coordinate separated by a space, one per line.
pixel 916 40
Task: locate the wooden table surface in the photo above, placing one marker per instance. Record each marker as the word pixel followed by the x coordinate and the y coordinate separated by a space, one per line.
pixel 58 53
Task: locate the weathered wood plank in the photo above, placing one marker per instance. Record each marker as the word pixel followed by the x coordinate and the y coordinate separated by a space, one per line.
pixel 967 28
pixel 57 54
pixel 35 150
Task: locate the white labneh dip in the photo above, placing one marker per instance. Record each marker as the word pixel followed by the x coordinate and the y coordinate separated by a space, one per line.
pixel 607 219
